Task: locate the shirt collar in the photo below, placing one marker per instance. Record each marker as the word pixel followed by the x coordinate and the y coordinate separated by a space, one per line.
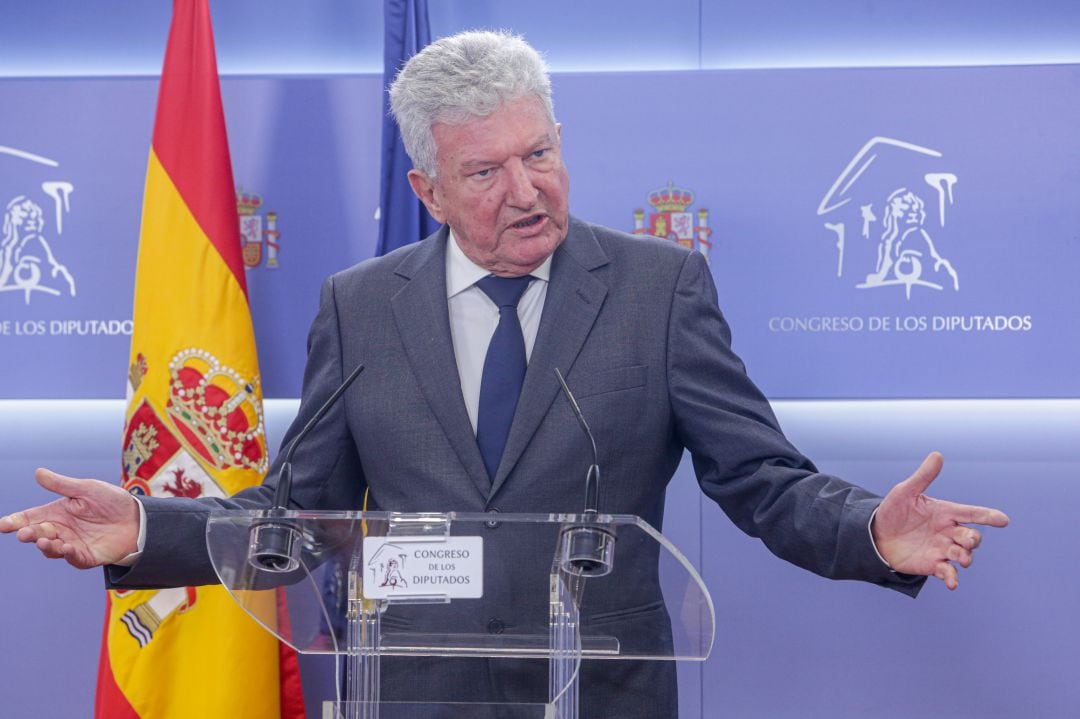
pixel 462 273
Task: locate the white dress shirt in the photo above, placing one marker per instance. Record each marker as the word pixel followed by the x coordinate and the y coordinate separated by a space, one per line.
pixel 474 317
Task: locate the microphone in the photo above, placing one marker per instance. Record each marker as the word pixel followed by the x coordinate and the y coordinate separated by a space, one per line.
pixel 275 541
pixel 587 548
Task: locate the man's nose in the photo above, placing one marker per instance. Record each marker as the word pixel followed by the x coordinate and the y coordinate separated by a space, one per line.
pixel 521 192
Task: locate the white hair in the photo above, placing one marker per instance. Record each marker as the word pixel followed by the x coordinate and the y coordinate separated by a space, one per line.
pixel 460 77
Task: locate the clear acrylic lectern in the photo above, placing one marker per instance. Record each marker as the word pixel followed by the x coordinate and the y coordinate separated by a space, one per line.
pixel 467 615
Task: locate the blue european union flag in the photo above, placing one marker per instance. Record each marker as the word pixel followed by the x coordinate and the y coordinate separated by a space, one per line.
pixel 402 217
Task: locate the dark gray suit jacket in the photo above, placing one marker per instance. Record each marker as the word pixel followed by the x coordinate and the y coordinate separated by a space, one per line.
pixel 634 326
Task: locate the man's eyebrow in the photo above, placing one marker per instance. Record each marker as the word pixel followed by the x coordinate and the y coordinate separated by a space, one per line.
pixel 542 139
pixel 478 163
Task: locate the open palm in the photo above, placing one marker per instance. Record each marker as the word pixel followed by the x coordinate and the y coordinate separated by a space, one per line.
pixel 93 523
pixel 917 534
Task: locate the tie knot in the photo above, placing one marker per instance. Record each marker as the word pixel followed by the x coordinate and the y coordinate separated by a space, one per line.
pixel 504 291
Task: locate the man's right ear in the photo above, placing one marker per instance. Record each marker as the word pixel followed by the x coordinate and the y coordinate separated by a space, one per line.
pixel 424 187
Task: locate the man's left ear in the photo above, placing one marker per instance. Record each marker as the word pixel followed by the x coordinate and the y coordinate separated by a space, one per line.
pixel 558 130
pixel 424 188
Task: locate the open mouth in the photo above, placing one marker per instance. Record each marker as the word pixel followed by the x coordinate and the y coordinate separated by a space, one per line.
pixel 527 222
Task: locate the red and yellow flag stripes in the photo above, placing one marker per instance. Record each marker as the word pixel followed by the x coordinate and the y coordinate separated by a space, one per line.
pixel 194 417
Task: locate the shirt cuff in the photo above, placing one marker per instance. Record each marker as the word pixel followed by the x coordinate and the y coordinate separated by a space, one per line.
pixel 868 531
pixel 130 559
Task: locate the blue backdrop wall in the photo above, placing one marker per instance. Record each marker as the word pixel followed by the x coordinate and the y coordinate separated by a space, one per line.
pixel 809 135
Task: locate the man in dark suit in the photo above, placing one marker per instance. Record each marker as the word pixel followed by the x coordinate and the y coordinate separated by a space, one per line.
pixel 434 425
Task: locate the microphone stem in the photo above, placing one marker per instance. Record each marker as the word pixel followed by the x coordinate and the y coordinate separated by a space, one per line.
pixel 284 487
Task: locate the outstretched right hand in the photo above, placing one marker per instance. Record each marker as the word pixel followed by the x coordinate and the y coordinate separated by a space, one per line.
pixel 93 523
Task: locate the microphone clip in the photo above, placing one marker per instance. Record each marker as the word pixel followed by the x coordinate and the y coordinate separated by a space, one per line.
pixel 587 548
pixel 275 542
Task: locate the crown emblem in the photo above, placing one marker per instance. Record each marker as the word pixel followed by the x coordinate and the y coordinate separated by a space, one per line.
pixel 259 235
pixel 671 199
pixel 672 219
pixel 247 203
pixel 217 411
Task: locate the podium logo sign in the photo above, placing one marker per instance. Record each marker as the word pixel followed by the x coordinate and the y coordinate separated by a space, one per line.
pixel 32 244
pixel 887 212
pixel 406 567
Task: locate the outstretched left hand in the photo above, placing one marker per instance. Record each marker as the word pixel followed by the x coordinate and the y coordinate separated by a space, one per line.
pixel 917 534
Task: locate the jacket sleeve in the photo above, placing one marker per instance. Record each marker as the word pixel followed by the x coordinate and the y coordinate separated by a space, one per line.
pixel 744 462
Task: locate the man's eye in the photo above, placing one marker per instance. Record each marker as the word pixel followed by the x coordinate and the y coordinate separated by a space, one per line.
pixel 483 173
pixel 539 153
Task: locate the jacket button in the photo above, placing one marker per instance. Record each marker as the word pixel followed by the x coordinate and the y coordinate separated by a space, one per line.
pixel 491 523
pixel 495 626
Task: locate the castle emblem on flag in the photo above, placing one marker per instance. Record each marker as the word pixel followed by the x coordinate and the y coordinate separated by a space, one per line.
pixel 253 236
pixel 148 445
pixel 672 219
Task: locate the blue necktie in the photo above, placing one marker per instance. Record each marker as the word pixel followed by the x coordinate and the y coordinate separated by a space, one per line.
pixel 504 369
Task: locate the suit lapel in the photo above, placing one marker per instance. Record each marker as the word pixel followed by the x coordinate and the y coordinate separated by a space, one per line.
pixel 423 322
pixel 574 299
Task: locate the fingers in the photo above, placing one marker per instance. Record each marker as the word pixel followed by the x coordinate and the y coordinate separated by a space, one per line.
pixel 967 537
pixel 38 533
pixel 965 541
pixel 59 549
pixel 60 484
pixel 44 536
pixel 57 483
pixel 958 554
pixel 947 573
pixel 51 548
pixel 33 532
pixel 971 514
pixel 927 472
pixel 13 522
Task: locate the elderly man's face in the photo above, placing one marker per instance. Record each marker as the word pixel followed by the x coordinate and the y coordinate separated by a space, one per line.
pixel 501 186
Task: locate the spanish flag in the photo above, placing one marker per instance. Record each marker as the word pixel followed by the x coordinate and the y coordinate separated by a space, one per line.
pixel 194 416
